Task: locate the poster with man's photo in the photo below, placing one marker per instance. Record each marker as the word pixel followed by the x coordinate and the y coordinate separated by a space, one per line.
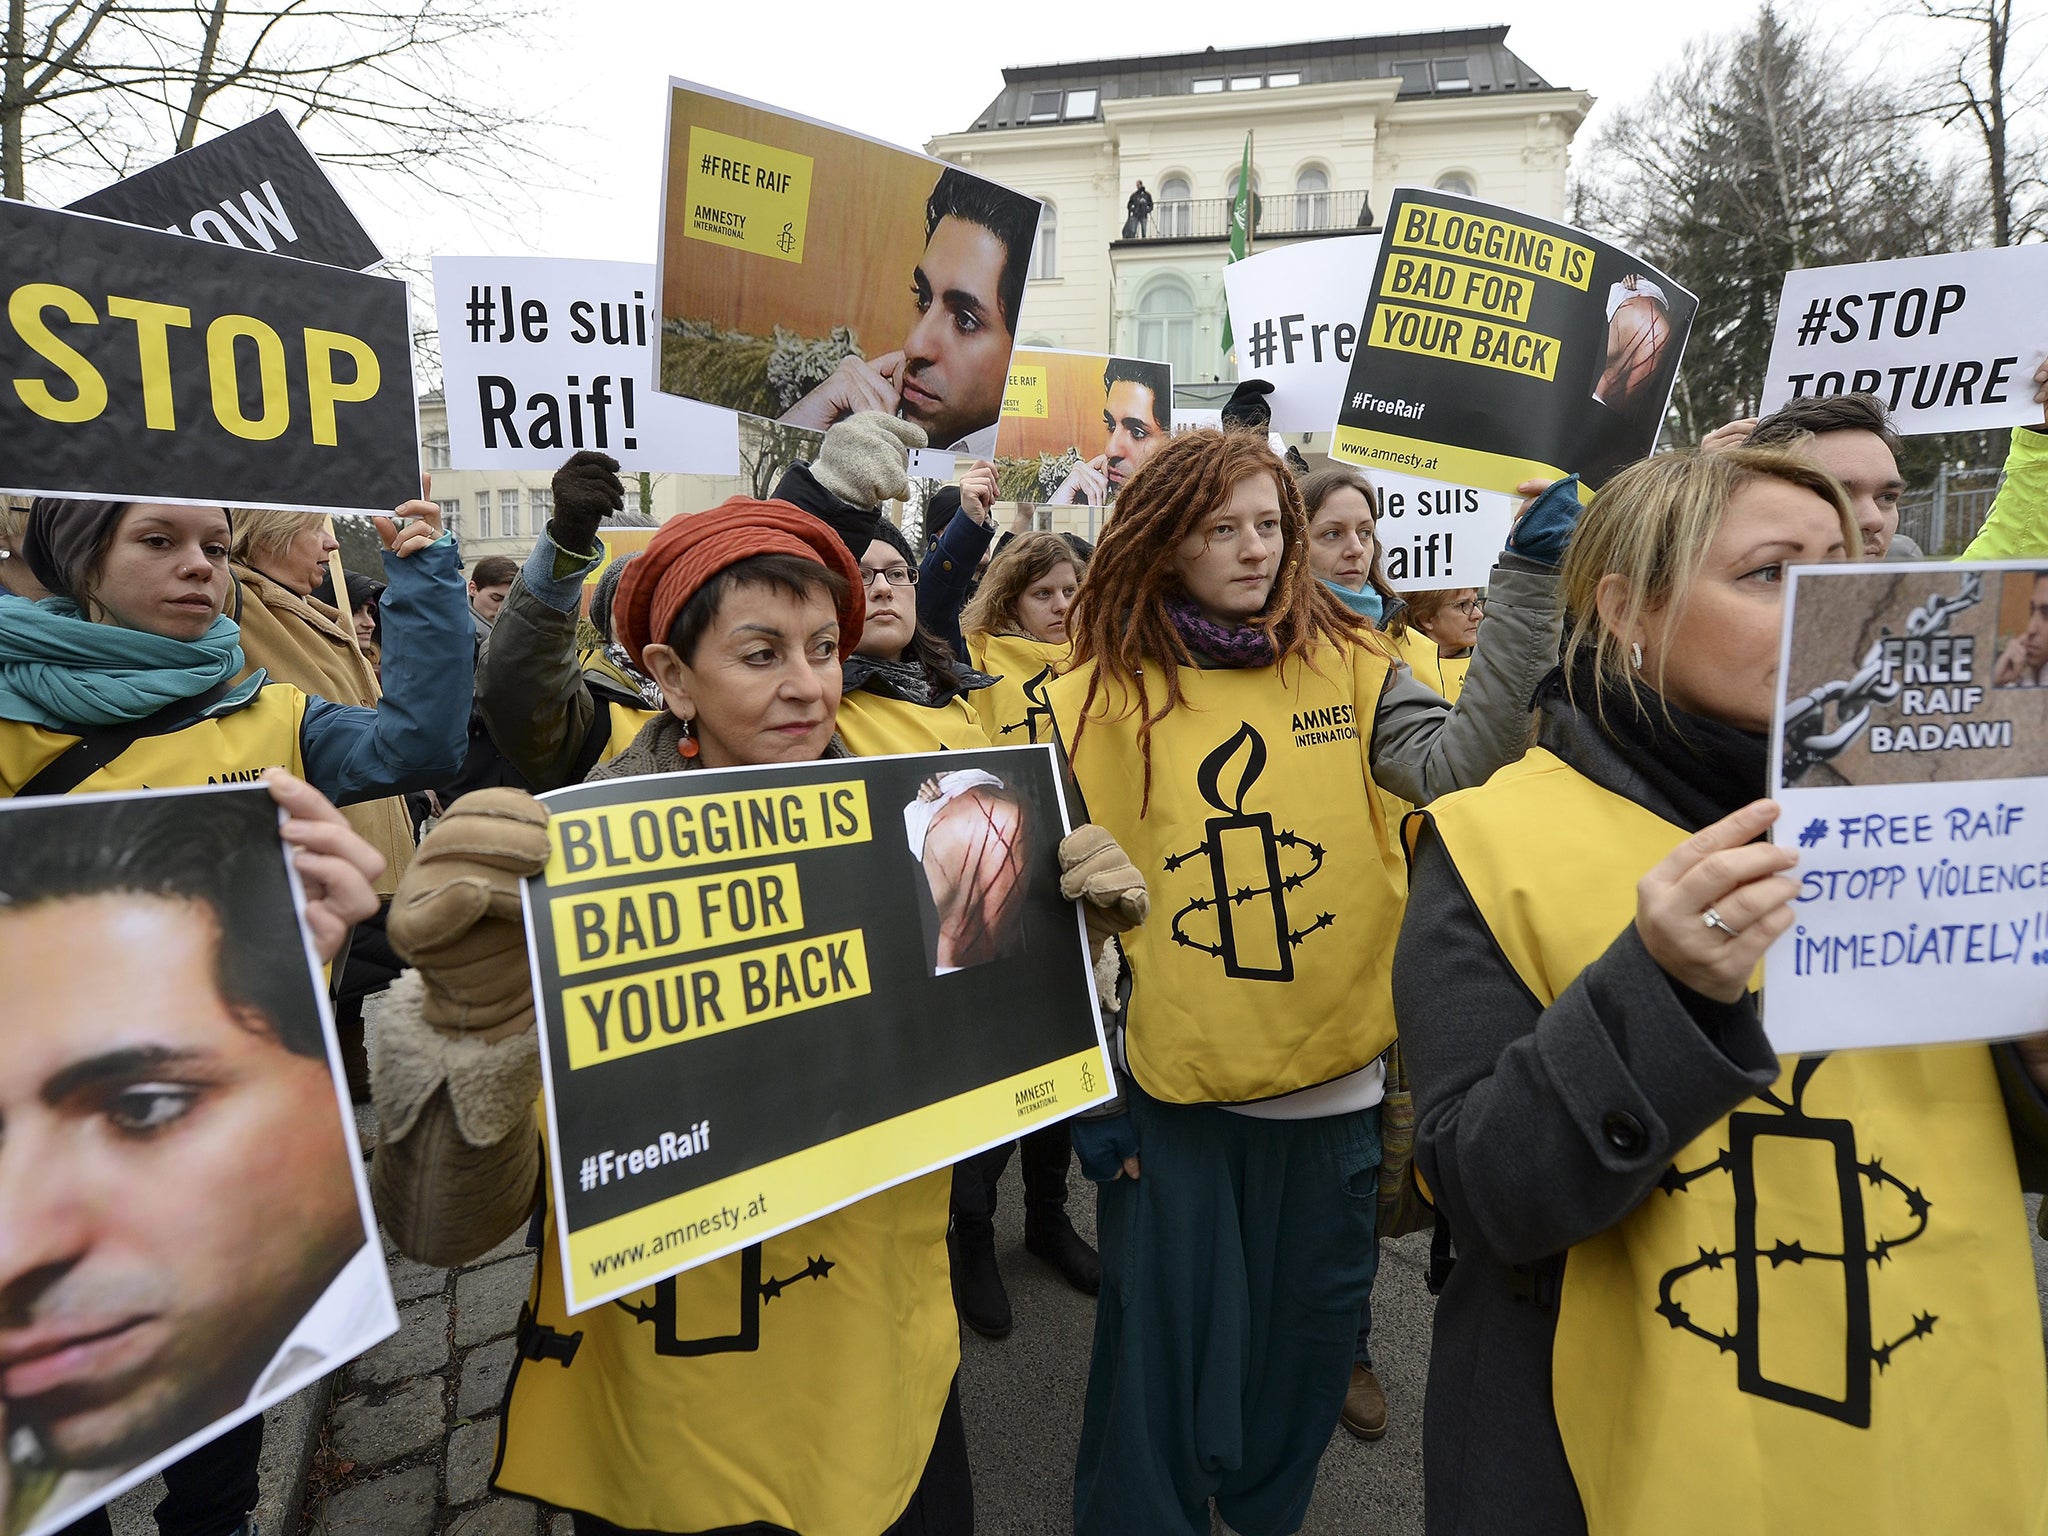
pixel 1077 425
pixel 1499 347
pixel 189 1234
pixel 766 993
pixel 807 273
pixel 1910 762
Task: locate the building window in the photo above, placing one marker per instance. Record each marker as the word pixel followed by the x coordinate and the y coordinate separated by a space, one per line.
pixel 508 513
pixel 1457 182
pixel 1312 198
pixel 1245 82
pixel 1206 87
pixel 1171 216
pixel 633 507
pixel 1292 77
pixel 437 450
pixel 1080 105
pixel 1414 76
pixel 1045 251
pixel 1045 107
pixel 451 516
pixel 543 508
pixel 1166 325
pixel 483 514
pixel 1453 75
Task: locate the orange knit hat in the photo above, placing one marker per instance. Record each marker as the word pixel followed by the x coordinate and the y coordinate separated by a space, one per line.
pixel 688 551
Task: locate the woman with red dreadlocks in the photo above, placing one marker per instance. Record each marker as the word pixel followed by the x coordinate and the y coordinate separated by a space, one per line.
pixel 1225 717
pixel 841 1418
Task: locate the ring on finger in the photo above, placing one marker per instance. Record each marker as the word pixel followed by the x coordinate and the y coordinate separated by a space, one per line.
pixel 1714 919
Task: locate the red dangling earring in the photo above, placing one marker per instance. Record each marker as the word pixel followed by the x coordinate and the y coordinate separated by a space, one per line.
pixel 689 747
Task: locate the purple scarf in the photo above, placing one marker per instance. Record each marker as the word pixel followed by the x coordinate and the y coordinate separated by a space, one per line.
pixel 1217 645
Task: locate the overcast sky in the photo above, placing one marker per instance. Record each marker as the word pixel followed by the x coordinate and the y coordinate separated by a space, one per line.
pixel 596 69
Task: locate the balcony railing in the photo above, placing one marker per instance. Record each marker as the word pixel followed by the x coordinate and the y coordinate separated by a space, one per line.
pixel 1276 214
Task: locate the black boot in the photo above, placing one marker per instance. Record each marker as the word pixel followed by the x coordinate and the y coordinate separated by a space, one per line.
pixel 977 1283
pixel 1051 1236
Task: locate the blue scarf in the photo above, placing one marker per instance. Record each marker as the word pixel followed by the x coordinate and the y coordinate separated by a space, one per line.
pixel 1367 604
pixel 61 671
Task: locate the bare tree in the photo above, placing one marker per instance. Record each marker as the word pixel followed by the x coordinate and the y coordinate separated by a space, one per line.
pixel 1991 82
pixel 768 449
pixel 1747 159
pixel 108 86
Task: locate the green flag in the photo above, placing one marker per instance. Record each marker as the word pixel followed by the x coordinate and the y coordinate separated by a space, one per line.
pixel 1240 227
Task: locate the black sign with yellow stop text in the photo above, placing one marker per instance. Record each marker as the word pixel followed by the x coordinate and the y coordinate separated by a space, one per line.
pixel 766 993
pixel 1499 347
pixel 137 365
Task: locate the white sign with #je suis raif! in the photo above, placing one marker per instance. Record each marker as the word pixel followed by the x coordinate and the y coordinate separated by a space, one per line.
pixel 541 357
pixel 1909 757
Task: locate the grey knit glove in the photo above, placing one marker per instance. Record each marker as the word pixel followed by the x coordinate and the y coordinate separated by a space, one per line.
pixel 865 459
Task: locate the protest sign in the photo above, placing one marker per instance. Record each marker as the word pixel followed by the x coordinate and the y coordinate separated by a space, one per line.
pixel 256 186
pixel 766 993
pixel 189 1230
pixel 541 357
pixel 808 272
pixel 1079 424
pixel 1949 343
pixel 142 366
pixel 1435 535
pixel 1295 313
pixel 1499 347
pixel 612 544
pixel 1910 759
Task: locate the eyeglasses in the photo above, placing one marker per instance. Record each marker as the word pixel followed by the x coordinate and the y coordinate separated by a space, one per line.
pixel 895 575
pixel 1470 607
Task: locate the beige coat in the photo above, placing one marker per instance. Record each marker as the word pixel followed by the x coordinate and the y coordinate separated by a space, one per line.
pixel 303 642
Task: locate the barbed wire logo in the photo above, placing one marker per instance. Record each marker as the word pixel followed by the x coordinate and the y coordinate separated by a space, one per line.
pixel 1247 888
pixel 1856 1253
pixel 755 1293
pixel 1038 711
pixel 1809 738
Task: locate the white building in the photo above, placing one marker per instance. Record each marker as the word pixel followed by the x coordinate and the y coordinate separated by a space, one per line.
pixel 1335 126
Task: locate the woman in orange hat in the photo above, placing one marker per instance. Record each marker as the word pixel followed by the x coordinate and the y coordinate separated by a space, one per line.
pixel 836 1417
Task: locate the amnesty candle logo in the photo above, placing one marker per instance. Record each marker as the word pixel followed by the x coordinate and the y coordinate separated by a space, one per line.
pixel 1248 887
pixel 1038 716
pixel 753 196
pixel 1794 1166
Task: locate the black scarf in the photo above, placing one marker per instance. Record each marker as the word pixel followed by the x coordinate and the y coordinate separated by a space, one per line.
pixel 1703 768
pixel 907 679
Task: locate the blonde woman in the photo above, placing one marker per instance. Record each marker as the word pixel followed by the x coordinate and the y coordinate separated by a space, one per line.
pixel 1442 627
pixel 1700 1288
pixel 1016 630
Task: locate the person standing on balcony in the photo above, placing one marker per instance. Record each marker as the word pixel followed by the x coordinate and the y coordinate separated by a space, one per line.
pixel 1139 208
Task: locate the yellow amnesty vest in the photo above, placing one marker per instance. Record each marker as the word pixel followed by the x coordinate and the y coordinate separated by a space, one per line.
pixel 1275 882
pixel 1015 712
pixel 1431 668
pixel 1825 1318
pixel 233 748
pixel 798 1383
pixel 626 723
pixel 874 726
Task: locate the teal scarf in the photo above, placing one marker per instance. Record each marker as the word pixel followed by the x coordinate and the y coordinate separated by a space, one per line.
pixel 1367 603
pixel 61 671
